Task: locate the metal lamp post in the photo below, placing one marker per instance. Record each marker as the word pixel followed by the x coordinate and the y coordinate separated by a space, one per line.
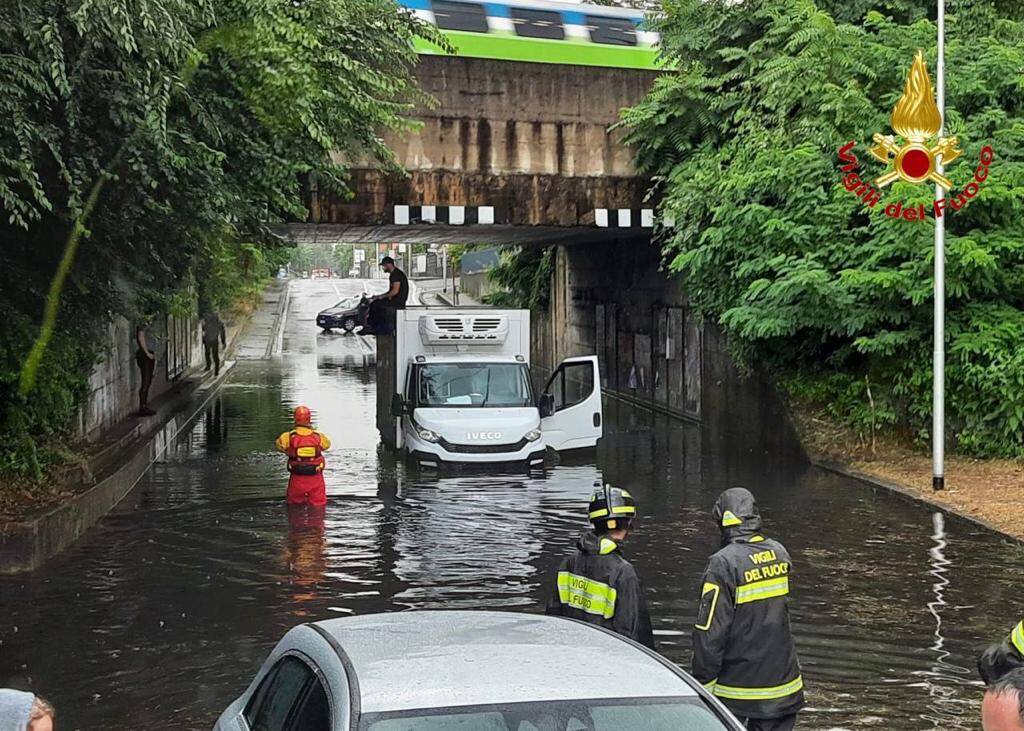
pixel 939 350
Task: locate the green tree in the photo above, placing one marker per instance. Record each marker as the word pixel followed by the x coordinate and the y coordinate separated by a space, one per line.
pixel 833 297
pixel 147 142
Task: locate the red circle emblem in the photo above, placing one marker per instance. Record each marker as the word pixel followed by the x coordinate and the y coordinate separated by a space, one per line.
pixel 916 163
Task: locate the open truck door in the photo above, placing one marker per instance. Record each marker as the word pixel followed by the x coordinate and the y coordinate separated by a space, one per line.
pixel 570 406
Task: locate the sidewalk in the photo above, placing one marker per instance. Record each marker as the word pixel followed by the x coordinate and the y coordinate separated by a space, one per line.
pixel 987 491
pixel 432 294
pixel 55 515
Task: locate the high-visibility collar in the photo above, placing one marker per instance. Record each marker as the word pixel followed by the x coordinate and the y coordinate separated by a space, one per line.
pixel 607 546
pixel 755 539
pixel 1017 637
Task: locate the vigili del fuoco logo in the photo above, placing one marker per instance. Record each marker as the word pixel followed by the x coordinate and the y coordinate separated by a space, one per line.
pixel 916 121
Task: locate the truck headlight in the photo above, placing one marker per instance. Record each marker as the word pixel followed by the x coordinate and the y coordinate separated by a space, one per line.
pixel 533 435
pixel 427 435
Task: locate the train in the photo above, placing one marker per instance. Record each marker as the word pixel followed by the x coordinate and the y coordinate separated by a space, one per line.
pixel 541 31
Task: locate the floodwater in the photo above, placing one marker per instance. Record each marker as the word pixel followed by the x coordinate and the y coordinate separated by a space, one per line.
pixel 162 613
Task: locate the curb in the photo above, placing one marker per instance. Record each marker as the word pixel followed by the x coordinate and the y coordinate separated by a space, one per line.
pixel 277 331
pixel 27 545
pixel 907 494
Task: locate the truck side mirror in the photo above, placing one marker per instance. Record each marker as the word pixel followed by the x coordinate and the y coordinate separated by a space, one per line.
pixel 546 405
pixel 397 405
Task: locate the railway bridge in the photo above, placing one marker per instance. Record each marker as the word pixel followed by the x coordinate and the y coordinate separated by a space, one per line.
pixel 514 149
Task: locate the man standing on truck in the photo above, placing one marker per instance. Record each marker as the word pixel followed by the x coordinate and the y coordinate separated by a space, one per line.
pixel 596 584
pixel 305 448
pixel 395 297
pixel 742 646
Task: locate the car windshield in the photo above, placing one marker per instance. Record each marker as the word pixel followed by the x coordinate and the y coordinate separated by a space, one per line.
pixel 473 384
pixel 650 714
pixel 347 304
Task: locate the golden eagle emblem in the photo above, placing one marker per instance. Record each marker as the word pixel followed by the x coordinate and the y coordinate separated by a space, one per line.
pixel 916 119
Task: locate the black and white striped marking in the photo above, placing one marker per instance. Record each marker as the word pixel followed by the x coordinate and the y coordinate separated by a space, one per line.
pixel 451 215
pixel 624 217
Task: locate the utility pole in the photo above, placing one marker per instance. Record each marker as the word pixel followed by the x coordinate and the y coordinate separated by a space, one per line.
pixel 939 349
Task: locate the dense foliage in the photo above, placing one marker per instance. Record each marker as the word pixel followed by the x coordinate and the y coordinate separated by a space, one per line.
pixel 145 140
pixel 523 276
pixel 837 300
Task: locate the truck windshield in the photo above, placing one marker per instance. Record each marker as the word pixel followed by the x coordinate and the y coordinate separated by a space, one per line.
pixel 473 384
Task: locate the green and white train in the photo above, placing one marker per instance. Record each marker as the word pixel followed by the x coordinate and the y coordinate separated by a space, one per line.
pixel 542 32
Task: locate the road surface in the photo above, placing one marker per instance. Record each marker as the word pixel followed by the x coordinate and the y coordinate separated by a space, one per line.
pixel 161 615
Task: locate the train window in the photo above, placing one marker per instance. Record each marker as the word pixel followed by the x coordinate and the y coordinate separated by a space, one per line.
pixel 451 15
pixel 538 24
pixel 613 31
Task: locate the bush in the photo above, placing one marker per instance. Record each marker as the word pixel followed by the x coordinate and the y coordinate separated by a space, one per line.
pixel 831 297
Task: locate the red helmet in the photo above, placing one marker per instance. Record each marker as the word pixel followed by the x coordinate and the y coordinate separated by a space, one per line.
pixel 302 416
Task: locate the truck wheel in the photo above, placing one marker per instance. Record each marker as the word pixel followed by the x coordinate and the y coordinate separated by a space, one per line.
pixel 349 324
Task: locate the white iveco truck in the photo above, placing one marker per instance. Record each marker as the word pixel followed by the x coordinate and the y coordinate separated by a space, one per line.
pixel 454 386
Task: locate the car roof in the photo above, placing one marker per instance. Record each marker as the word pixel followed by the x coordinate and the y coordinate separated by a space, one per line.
pixel 430 659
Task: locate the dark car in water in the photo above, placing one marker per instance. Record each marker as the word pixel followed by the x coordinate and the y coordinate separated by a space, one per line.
pixel 348 314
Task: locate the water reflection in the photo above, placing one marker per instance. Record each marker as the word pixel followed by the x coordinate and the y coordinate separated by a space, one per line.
pixel 305 555
pixel 166 610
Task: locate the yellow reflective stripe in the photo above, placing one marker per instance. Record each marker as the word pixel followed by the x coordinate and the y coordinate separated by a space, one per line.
pixel 599 513
pixel 607 546
pixel 710 685
pixel 306 451
pixel 1017 637
pixel 708 587
pixel 729 519
pixel 756 539
pixel 592 597
pixel 766 589
pixel 759 694
pixel 624 509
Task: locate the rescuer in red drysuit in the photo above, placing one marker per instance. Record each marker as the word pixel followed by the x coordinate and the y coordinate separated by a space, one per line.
pixel 305 447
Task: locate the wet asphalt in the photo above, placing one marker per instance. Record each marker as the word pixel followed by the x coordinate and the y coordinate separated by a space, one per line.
pixel 160 615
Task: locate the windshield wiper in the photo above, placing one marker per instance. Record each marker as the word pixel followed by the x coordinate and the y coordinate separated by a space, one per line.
pixel 487 388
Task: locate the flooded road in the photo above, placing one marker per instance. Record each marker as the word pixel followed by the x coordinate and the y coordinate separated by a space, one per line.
pixel 161 615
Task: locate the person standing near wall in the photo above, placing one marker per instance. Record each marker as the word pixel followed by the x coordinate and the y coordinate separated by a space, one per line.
pixel 214 336
pixel 145 357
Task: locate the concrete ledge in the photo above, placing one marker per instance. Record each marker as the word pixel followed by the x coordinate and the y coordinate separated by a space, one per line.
pixel 905 493
pixel 26 545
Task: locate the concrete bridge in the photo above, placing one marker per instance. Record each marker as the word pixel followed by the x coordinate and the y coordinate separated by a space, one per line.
pixel 510 145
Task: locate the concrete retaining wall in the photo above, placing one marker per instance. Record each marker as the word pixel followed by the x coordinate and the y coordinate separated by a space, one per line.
pixel 612 300
pixel 114 382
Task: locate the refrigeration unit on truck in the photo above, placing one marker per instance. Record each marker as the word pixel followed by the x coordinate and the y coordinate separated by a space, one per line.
pixel 454 386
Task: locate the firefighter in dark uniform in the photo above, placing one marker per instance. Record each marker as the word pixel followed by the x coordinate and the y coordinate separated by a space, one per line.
pixel 742 647
pixel 1004 656
pixel 598 585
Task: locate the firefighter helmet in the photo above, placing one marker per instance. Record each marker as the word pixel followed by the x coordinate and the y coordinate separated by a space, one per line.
pixel 302 416
pixel 611 508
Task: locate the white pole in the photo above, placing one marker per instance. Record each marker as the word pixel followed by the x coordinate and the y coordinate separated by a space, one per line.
pixel 939 354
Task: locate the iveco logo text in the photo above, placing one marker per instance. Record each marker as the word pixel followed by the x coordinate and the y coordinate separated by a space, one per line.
pixel 483 435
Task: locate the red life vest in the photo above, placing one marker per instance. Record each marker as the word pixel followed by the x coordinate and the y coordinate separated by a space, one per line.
pixel 305 456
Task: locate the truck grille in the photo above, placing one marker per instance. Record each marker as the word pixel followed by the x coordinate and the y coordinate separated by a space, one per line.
pixel 448 324
pixel 485 324
pixel 481 448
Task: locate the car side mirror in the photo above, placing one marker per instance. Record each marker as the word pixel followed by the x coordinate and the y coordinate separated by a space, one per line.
pixel 397 405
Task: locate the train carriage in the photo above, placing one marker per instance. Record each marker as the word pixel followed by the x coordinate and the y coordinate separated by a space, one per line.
pixel 541 32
